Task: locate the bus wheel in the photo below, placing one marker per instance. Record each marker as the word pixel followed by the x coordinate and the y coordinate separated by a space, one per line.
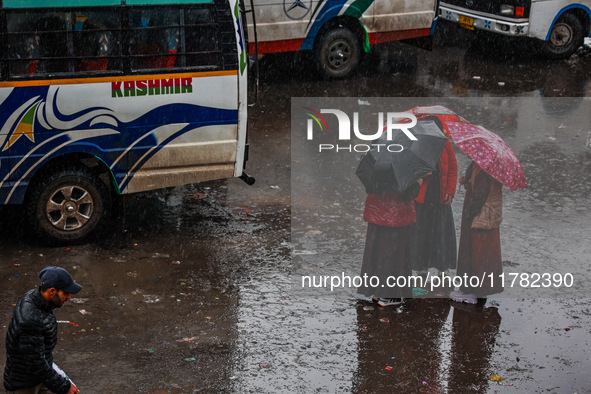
pixel 68 206
pixel 565 38
pixel 339 53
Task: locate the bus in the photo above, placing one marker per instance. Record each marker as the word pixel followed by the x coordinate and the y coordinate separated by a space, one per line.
pixel 559 25
pixel 100 98
pixel 338 32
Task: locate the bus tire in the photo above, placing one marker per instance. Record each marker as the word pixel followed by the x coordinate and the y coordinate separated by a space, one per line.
pixel 68 206
pixel 338 53
pixel 565 38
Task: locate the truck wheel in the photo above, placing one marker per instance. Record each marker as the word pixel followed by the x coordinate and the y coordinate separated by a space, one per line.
pixel 565 38
pixel 338 53
pixel 68 206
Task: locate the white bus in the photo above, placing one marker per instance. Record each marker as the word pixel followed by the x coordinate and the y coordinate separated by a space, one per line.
pixel 101 98
pixel 561 25
pixel 338 31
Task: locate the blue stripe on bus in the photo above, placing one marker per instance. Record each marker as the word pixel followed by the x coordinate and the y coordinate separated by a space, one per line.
pixel 93 3
pixel 330 10
pixel 434 26
pixel 136 158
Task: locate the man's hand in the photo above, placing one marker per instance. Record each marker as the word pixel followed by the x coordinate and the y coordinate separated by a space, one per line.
pixel 448 198
pixel 73 389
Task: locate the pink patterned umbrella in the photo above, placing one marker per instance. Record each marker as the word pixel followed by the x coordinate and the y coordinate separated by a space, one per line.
pixel 490 152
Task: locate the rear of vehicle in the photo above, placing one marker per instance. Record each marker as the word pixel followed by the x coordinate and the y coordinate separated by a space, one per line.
pixel 561 25
pixel 338 31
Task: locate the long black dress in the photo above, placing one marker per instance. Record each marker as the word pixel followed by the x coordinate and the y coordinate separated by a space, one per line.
pixel 387 255
pixel 433 240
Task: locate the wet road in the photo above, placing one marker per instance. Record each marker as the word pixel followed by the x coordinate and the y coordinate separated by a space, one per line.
pixel 194 289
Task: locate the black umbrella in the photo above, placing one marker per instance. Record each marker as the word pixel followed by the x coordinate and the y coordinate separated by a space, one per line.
pixel 394 165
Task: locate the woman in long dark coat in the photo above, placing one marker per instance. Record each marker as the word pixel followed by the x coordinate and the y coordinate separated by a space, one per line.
pixel 433 241
pixel 387 245
pixel 479 254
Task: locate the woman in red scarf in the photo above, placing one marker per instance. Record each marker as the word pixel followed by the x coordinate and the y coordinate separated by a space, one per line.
pixel 433 241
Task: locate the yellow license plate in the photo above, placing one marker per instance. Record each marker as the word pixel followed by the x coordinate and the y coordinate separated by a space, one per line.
pixel 466 22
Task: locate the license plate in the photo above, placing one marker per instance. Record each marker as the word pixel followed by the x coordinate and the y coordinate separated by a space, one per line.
pixel 466 22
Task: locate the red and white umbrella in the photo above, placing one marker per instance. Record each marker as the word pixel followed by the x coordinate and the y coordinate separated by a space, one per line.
pixel 444 114
pixel 490 152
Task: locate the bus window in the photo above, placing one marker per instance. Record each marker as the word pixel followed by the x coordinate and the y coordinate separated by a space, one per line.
pixel 202 42
pixel 62 42
pixel 37 42
pixel 154 38
pixel 32 52
pixel 96 39
pixel 157 42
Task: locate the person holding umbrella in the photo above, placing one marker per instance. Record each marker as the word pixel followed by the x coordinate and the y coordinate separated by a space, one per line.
pixel 494 165
pixel 480 242
pixel 434 233
pixel 392 181
pixel 387 243
pixel 433 241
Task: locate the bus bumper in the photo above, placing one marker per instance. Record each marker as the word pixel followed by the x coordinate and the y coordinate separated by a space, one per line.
pixel 472 20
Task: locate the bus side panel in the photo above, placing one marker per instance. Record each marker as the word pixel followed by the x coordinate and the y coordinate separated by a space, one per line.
pixel 136 125
pixel 291 26
pixel 400 15
pixel 33 131
pixel 4 159
pixel 329 10
pixel 544 14
pixel 200 154
pixel 279 27
pixel 242 94
pixel 192 140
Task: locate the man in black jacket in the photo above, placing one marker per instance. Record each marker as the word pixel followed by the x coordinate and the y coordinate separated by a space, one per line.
pixel 32 336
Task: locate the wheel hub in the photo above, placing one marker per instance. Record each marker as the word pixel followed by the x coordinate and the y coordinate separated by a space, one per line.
pixel 338 54
pixel 69 208
pixel 561 35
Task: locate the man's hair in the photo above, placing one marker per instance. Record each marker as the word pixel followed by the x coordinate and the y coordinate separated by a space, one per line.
pixel 44 287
